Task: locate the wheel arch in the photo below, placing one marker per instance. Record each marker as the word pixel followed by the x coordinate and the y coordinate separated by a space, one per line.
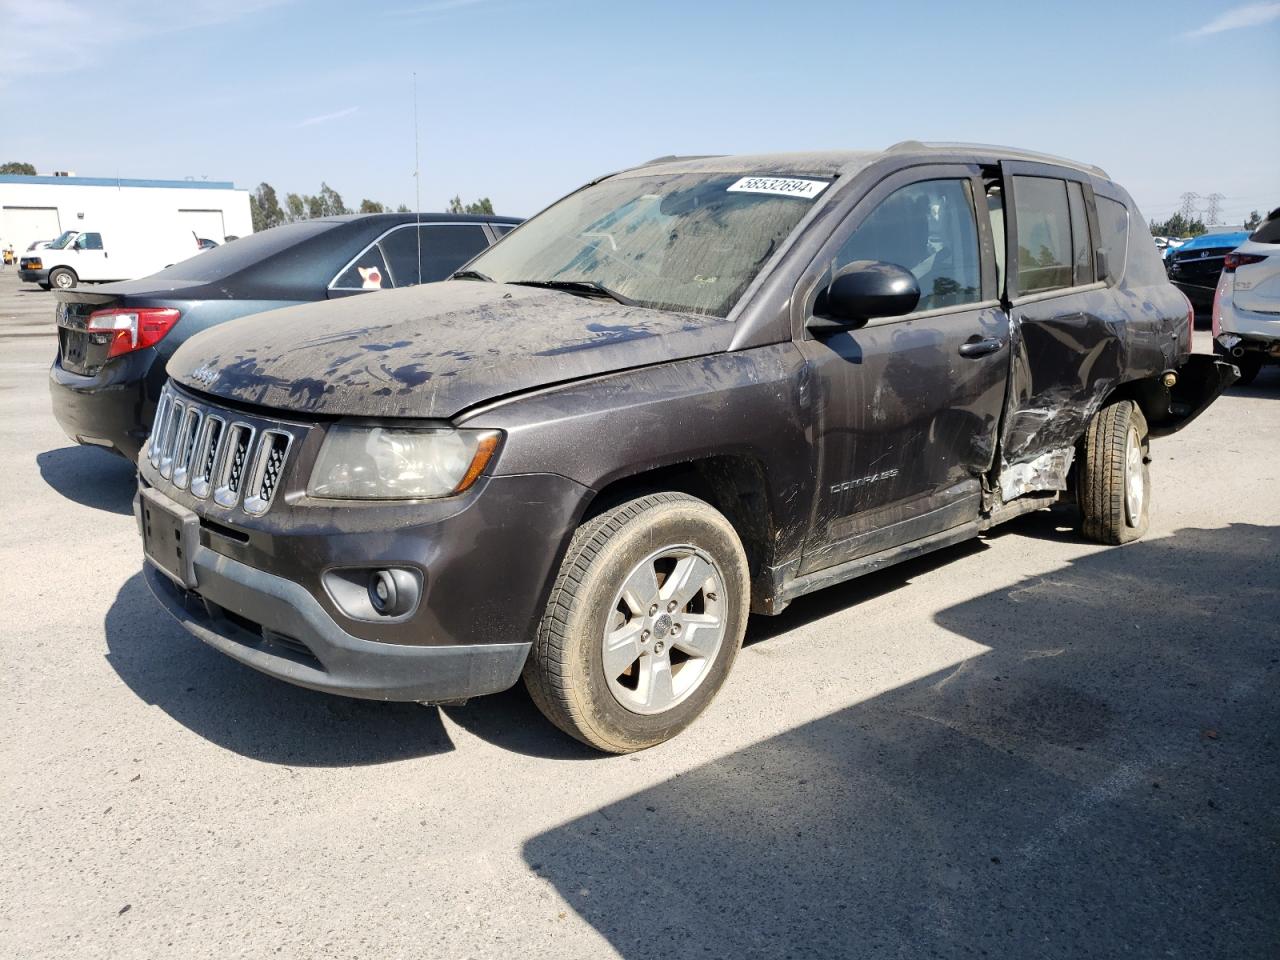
pixel 738 485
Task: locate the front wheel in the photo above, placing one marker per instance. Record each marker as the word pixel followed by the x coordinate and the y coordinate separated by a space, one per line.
pixel 62 279
pixel 644 621
pixel 1114 478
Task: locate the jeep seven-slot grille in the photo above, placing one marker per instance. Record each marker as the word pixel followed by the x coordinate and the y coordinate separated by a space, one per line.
pixel 215 454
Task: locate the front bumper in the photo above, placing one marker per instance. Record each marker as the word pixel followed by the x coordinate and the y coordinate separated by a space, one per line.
pixel 33 276
pixel 111 409
pixel 276 627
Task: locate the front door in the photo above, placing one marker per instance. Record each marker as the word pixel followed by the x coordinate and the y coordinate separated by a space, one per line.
pixel 908 408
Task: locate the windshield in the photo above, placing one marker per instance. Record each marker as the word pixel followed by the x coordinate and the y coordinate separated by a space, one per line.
pixel 63 239
pixel 681 241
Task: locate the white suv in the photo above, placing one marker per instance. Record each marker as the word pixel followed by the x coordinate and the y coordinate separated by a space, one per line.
pixel 1246 305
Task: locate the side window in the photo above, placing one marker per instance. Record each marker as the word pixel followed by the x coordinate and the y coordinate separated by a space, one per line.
pixel 995 209
pixel 928 228
pixel 369 272
pixel 400 248
pixel 502 229
pixel 1045 258
pixel 1113 230
pixel 1080 245
pixel 446 247
pixel 90 241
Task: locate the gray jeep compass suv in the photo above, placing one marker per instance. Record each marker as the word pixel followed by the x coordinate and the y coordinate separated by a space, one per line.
pixel 687 391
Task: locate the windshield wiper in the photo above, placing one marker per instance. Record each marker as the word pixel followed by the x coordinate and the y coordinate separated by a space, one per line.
pixel 470 275
pixel 586 288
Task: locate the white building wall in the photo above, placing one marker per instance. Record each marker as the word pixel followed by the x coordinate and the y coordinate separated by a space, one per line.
pixel 38 208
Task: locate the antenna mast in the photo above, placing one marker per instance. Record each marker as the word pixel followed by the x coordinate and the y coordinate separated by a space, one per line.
pixel 417 177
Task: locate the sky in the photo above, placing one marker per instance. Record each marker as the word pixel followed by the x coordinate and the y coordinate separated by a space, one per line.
pixel 524 100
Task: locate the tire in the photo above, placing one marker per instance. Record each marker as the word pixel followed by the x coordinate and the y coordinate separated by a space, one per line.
pixel 601 594
pixel 1114 479
pixel 43 286
pixel 1250 365
pixel 62 278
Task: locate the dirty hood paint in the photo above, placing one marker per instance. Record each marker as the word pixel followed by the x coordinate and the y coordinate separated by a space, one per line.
pixel 433 350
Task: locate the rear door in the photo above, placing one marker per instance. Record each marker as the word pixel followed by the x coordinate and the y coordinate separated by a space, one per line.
pixel 1067 333
pixel 907 408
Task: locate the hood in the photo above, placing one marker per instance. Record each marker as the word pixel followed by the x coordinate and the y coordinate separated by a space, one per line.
pixel 432 350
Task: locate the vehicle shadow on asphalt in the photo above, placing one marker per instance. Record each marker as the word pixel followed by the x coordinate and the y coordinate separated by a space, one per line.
pixel 89 476
pixel 254 715
pixel 1266 384
pixel 1103 781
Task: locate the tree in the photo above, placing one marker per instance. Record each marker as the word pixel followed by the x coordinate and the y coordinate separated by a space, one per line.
pixel 483 205
pixel 265 208
pixel 1178 226
pixel 315 206
pixel 330 202
pixel 403 208
pixel 372 206
pixel 13 166
pixel 1254 221
pixel 297 207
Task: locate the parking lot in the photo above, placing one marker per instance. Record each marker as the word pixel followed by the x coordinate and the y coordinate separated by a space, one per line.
pixel 1027 745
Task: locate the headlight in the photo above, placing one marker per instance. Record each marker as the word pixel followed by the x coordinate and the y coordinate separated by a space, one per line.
pixel 386 463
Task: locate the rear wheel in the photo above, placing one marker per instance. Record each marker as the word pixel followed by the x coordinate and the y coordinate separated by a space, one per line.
pixel 62 278
pixel 643 624
pixel 1114 479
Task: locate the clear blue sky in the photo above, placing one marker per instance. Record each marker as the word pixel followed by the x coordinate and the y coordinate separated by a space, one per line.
pixel 522 100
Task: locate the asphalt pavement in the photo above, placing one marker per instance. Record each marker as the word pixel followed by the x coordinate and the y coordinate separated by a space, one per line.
pixel 1024 746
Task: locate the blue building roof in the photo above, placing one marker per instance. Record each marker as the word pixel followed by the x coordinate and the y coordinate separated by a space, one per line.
pixel 118 182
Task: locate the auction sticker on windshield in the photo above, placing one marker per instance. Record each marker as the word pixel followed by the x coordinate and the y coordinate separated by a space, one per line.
pixel 782 186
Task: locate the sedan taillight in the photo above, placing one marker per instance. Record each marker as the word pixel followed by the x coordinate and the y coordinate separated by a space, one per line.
pixel 1234 260
pixel 132 328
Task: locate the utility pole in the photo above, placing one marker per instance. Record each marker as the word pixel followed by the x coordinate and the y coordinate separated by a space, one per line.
pixel 1215 204
pixel 1188 208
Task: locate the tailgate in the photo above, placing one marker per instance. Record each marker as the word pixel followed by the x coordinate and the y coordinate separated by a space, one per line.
pixel 1257 286
pixel 78 351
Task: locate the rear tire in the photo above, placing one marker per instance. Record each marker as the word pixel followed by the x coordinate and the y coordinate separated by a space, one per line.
pixel 1114 479
pixel 1250 365
pixel 62 278
pixel 643 624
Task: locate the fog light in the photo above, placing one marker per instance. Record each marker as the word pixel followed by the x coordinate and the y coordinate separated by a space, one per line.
pixel 393 593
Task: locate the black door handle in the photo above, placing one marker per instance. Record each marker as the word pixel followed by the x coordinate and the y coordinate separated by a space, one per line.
pixel 980 348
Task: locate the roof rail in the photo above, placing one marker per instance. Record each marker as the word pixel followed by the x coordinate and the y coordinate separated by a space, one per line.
pixel 672 158
pixel 1012 153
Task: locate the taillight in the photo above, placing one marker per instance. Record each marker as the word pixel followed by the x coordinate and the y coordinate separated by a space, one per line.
pixel 1234 260
pixel 132 328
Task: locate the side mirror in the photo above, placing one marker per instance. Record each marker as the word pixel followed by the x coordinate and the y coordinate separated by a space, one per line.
pixel 863 290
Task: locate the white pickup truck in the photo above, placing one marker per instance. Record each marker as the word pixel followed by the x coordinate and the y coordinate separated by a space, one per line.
pixel 103 255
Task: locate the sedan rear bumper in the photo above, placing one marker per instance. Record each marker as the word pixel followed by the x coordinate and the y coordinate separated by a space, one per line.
pixel 110 409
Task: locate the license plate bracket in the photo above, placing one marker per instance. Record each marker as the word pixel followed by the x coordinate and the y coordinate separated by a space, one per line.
pixel 170 535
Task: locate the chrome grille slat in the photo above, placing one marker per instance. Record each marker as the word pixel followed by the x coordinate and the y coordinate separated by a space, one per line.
pixel 201 447
pixel 188 433
pixel 206 456
pixel 169 439
pixel 268 464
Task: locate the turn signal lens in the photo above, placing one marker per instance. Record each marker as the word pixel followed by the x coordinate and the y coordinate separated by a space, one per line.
pixel 132 328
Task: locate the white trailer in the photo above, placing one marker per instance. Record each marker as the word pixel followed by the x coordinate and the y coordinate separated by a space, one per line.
pixel 144 216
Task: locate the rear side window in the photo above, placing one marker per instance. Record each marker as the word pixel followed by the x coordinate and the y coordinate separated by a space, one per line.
pixel 1113 230
pixel 369 272
pixel 929 228
pixel 1269 231
pixel 446 247
pixel 400 248
pixel 1043 217
pixel 502 229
